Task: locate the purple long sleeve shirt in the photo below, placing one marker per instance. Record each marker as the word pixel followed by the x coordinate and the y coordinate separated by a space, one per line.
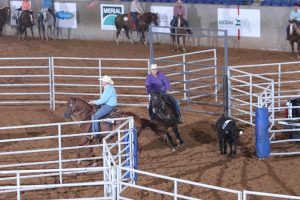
pixel 157 84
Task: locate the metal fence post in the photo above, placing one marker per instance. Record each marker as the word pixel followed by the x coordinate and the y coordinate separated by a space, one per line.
pixel 184 76
pixel 52 82
pixel 18 186
pixel 225 75
pixel 59 154
pixel 150 39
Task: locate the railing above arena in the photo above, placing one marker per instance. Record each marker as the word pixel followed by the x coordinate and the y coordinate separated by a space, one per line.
pixel 51 80
pixel 286 78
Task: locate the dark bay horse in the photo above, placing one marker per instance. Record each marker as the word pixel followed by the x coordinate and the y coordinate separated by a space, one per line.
pixel 180 31
pixel 4 16
pixel 24 22
pixel 294 32
pixel 166 115
pixel 46 24
pixel 124 22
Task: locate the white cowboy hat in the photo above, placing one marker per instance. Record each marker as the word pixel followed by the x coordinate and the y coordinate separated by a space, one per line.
pixel 154 66
pixel 107 79
pixel 179 1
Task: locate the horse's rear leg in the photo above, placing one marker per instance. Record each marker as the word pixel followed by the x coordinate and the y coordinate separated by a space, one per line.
pixel 117 35
pixel 127 34
pixel 177 134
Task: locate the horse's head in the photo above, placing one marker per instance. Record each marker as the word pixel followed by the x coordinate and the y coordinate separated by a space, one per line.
pixel 77 106
pixel 71 108
pixel 158 103
pixel 155 18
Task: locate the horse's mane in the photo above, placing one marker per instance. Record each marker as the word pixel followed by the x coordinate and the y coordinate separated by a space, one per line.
pixel 83 101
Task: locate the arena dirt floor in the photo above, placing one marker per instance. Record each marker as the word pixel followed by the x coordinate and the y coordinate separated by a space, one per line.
pixel 198 160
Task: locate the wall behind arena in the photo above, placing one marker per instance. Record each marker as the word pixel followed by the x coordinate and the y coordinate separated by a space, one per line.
pixel 273 24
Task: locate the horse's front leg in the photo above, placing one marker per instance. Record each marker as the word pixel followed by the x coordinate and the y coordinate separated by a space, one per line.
pixel 177 134
pixel 177 43
pixel 183 44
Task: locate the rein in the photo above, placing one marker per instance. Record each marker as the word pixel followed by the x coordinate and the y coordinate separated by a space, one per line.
pixel 79 113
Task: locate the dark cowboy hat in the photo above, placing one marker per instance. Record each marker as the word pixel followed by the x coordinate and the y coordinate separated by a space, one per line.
pixel 296 4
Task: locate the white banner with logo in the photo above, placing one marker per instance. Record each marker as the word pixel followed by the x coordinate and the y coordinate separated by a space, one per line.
pixel 247 21
pixel 65 14
pixel 13 15
pixel 165 15
pixel 109 12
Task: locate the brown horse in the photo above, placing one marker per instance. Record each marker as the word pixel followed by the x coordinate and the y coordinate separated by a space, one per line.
pixel 79 107
pixel 294 32
pixel 179 32
pixel 124 22
pixel 4 16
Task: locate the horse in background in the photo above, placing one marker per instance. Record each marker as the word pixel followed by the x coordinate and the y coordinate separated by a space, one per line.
pixel 23 22
pixel 294 32
pixel 144 21
pixel 178 32
pixel 166 116
pixel 46 24
pixel 4 17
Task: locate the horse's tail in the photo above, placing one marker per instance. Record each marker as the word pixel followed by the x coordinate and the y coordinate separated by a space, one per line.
pixel 154 125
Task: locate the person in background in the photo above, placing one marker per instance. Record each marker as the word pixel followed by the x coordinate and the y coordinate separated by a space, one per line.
pixel 178 10
pixel 135 9
pixel 294 15
pixel 157 82
pixel 26 6
pixel 108 102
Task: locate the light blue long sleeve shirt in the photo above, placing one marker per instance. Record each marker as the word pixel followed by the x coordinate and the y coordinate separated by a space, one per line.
pixel 109 96
pixel 295 15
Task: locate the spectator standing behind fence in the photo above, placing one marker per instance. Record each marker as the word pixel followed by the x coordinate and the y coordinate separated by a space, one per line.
pixel 178 10
pixel 108 102
pixel 294 15
pixel 135 9
pixel 157 82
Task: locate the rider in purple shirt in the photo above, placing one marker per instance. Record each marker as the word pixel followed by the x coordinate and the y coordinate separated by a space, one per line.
pixel 157 82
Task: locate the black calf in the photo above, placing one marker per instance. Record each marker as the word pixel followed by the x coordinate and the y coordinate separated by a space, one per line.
pixel 227 133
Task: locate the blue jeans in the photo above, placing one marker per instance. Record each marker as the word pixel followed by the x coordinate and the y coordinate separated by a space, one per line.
pixel 102 112
pixel 134 19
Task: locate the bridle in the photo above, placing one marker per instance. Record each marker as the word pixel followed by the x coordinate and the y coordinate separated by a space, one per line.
pixel 74 113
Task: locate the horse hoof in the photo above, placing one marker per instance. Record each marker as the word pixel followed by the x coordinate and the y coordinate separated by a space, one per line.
pixel 94 165
pixel 78 162
pixel 173 149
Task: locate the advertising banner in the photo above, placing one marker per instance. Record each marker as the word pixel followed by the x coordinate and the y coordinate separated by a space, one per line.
pixel 165 15
pixel 108 13
pixel 243 21
pixel 65 14
pixel 13 15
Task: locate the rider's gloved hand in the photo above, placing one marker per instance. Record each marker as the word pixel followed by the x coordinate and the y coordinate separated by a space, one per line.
pixel 92 102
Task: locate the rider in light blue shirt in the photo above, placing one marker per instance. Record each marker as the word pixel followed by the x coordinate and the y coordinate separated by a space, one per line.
pixel 294 15
pixel 108 102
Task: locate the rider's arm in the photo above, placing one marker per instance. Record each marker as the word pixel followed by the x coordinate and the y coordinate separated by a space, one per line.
pixel 167 85
pixel 292 15
pixel 148 84
pixel 108 91
pixel 139 7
